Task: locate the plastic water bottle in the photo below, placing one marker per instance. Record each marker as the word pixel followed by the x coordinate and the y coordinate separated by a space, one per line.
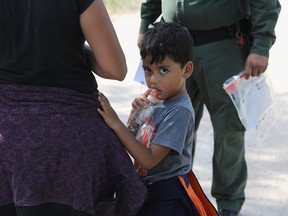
pixel 143 114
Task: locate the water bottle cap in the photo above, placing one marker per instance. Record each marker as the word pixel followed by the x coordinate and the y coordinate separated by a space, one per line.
pixel 152 97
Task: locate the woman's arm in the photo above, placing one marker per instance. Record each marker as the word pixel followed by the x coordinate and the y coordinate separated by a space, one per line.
pixel 100 34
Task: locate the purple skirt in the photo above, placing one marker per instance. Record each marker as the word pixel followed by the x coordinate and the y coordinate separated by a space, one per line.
pixel 55 148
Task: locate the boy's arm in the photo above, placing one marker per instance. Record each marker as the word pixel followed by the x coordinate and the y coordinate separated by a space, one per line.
pixel 146 157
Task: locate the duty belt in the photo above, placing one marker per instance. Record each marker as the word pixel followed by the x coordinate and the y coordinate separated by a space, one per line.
pixel 213 35
pixel 232 31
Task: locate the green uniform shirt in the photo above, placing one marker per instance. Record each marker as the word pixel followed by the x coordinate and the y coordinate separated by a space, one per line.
pixel 211 14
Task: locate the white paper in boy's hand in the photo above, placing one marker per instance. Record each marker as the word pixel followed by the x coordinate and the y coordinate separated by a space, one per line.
pixel 139 75
pixel 254 101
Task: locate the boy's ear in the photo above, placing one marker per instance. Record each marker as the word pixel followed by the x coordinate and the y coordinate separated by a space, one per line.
pixel 188 69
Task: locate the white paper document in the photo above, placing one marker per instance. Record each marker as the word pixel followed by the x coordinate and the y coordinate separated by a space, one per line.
pixel 139 75
pixel 255 102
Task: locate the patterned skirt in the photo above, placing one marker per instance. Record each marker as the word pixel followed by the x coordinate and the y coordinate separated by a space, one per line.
pixel 58 156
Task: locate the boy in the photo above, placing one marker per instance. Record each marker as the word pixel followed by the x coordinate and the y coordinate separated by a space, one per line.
pixel 167 62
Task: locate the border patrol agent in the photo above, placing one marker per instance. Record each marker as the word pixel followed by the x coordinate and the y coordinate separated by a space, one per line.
pixel 229 36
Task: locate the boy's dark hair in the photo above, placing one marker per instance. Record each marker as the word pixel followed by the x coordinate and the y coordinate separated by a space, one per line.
pixel 167 39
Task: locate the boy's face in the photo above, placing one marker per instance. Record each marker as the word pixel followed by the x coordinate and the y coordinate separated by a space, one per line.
pixel 167 77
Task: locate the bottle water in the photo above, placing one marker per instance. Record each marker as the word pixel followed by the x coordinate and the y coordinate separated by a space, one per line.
pixel 143 114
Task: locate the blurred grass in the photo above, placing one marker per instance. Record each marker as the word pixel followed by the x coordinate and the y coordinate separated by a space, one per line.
pixel 120 6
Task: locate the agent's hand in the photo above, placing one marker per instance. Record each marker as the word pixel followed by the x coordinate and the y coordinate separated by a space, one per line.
pixel 107 112
pixel 255 65
pixel 140 40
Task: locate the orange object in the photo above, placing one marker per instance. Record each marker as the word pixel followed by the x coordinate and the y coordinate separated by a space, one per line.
pixel 241 40
pixel 197 196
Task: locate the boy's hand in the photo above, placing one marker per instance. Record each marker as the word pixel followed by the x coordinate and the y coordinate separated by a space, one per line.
pixel 141 101
pixel 107 112
pixel 138 103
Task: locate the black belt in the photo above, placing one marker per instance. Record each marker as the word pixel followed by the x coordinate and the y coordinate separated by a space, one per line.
pixel 209 36
pixel 243 26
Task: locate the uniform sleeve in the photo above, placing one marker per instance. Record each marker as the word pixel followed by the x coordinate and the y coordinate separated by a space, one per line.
pixel 264 16
pixel 150 11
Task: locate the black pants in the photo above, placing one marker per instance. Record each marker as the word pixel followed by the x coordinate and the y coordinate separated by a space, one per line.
pixel 169 198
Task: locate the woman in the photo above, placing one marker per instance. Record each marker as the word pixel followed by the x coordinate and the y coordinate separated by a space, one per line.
pixel 57 155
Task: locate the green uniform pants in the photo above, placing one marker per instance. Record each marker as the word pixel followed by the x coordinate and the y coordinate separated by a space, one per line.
pixel 214 63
